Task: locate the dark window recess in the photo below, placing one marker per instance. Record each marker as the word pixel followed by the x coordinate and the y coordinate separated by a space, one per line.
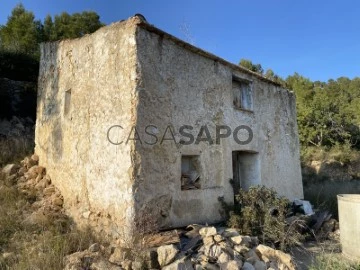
pixel 190 172
pixel 67 102
pixel 243 97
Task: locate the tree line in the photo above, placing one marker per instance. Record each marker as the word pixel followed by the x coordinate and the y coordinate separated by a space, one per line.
pixel 22 33
pixel 328 113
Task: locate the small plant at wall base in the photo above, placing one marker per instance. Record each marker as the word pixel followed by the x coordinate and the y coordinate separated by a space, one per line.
pixel 261 212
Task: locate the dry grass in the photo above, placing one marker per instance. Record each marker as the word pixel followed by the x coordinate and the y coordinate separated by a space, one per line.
pixel 32 246
pixel 35 246
pixel 329 261
pixel 47 249
pixel 340 152
pixel 15 148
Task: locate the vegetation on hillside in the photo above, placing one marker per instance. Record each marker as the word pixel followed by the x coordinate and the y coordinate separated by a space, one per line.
pixel 327 112
pixel 22 33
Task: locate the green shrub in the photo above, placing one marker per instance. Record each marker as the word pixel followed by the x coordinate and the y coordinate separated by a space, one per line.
pixel 308 154
pixel 261 212
pixel 343 153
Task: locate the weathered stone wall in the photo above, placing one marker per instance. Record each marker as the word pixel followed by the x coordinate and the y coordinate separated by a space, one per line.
pixel 181 87
pixel 85 86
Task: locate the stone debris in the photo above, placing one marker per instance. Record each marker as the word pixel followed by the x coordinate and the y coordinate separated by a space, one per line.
pixel 241 252
pixel 167 254
pixel 207 231
pixel 10 170
pixel 207 255
pixel 32 180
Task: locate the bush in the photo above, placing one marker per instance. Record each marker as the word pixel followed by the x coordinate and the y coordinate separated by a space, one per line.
pixel 343 153
pixel 261 212
pixel 308 154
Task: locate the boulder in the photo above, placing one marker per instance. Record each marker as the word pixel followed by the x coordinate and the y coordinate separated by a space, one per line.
pixel 241 249
pixel 126 264
pixel 10 169
pixel 166 254
pixel 28 162
pixel 150 258
pixel 260 265
pixel 251 256
pixel 230 232
pixel 265 252
pixel 231 265
pixel 207 231
pixel 119 255
pixel 247 266
pixel 224 257
pixel 218 238
pixel 208 240
pixel 22 171
pixel 181 264
pixel 35 158
pixel 241 240
pixel 213 252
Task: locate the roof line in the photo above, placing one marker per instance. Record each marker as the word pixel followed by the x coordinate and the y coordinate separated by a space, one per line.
pixel 202 52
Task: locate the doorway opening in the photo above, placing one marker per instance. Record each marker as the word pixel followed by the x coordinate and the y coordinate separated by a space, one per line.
pixel 246 170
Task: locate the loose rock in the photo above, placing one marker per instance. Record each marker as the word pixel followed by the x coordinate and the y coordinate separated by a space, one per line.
pixel 10 169
pixel 207 231
pixel 247 266
pixel 167 254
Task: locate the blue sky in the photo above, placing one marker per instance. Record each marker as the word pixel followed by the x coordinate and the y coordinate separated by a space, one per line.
pixel 318 39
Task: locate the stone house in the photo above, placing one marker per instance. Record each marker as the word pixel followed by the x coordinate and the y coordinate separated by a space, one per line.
pixel 134 124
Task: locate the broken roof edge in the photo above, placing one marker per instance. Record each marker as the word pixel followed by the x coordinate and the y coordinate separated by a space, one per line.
pixel 143 24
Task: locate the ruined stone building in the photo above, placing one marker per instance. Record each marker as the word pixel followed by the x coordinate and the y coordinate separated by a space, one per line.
pixel 134 123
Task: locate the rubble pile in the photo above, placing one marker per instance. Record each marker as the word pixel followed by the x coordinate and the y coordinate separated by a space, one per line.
pixel 202 247
pixel 31 180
